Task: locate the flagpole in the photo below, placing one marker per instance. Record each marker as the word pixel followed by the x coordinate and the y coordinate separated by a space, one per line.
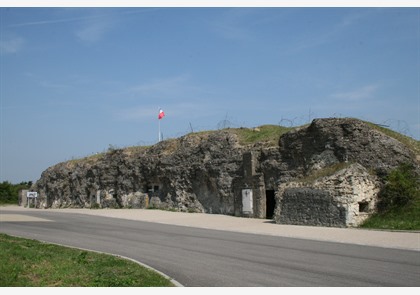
pixel 159 126
pixel 160 116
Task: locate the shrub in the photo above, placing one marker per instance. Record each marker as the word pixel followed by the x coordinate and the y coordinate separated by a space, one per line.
pixel 401 189
pixel 95 206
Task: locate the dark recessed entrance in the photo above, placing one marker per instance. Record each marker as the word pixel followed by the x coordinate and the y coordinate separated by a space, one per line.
pixel 270 203
pixel 363 207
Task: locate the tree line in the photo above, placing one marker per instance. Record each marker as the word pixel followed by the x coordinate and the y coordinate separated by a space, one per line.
pixel 9 193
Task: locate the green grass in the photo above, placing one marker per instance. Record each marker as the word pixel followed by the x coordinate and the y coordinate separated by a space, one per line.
pixel 266 134
pixel 406 218
pixel 30 263
pixel 92 159
pixel 411 143
pixel 399 201
pixel 324 172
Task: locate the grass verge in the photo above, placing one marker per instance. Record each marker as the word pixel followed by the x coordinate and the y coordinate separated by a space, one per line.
pixel 30 263
pixel 405 218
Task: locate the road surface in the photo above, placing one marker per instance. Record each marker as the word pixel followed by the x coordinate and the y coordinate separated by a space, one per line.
pixel 206 257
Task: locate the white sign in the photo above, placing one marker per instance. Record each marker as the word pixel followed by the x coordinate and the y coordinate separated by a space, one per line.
pixel 31 195
pixel 247 201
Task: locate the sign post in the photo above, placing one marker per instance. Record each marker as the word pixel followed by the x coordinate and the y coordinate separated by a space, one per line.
pixel 31 195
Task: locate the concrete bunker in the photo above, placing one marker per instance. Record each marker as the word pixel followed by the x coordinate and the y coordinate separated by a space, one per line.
pixel 252 198
pixel 343 199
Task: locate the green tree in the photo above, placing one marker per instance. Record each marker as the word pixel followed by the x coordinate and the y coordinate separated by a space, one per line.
pixel 6 192
pixel 9 193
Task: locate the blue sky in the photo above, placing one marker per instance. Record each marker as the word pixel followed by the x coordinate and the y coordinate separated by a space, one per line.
pixel 75 81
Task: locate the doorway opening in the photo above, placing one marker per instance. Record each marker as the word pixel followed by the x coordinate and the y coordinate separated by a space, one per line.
pixel 270 204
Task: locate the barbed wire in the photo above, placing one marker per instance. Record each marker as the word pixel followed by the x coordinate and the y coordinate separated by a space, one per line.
pixel 397 125
pixel 400 126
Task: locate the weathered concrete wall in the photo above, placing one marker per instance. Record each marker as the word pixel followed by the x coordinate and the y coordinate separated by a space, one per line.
pixel 193 173
pixel 23 201
pixel 345 198
pixel 310 206
pixel 250 180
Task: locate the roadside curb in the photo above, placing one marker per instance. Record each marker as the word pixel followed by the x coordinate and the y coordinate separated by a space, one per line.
pixel 172 280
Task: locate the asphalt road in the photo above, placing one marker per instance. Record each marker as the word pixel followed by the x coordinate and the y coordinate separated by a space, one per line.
pixel 206 258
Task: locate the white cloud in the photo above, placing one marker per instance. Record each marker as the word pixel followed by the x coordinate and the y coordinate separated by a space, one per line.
pixel 136 113
pixel 98 23
pixel 171 87
pixel 139 113
pixel 322 36
pixel 55 85
pixel 172 94
pixel 172 110
pixel 362 93
pixel 230 31
pixel 94 31
pixel 45 22
pixel 354 18
pixel 234 24
pixel 12 45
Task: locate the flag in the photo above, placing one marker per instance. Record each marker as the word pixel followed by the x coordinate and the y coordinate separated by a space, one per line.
pixel 161 114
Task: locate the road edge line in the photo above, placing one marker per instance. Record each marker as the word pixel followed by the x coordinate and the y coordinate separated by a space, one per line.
pixel 172 280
